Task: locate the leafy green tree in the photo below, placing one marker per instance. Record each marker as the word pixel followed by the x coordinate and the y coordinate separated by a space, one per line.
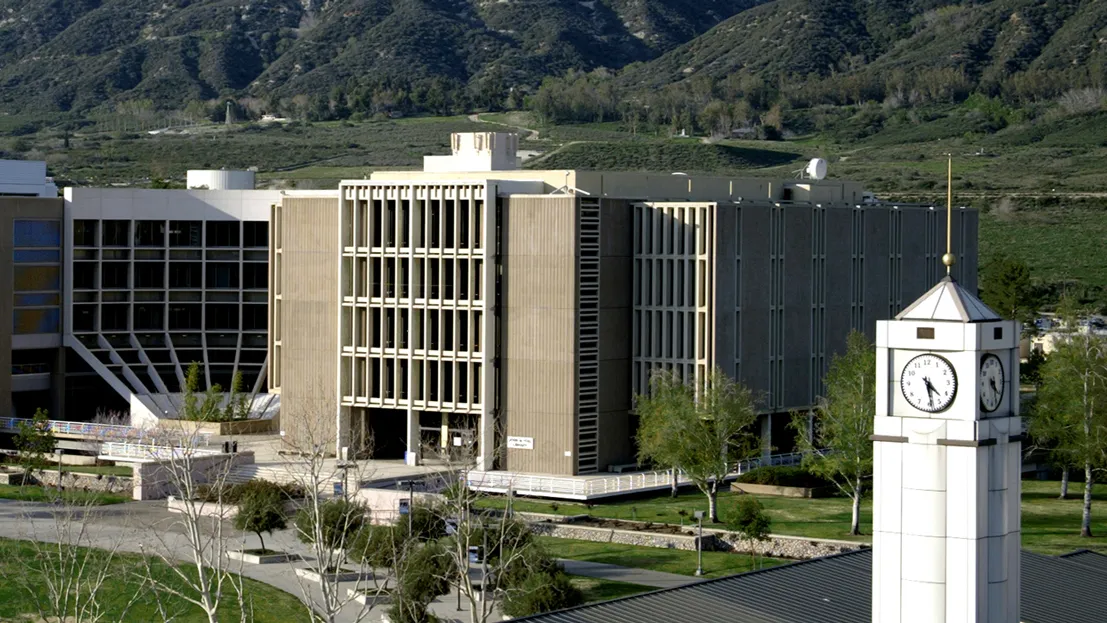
pixel 1071 410
pixel 541 592
pixel 377 546
pixel 213 405
pixel 748 520
pixel 261 510
pixel 35 441
pixel 339 521
pixel 702 430
pixel 842 423
pixel 1007 289
pixel 422 575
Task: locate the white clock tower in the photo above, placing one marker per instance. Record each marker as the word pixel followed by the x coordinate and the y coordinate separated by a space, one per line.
pixel 947 462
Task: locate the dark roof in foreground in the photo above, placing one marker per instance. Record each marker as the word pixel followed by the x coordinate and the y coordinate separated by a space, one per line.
pixel 1068 589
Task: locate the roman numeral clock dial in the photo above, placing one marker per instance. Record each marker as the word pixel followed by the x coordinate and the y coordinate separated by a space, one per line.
pixel 929 383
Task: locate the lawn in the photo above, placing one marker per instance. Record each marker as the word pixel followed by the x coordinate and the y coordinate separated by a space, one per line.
pixel 1049 525
pixel 35 493
pixel 678 561
pixel 22 577
pixel 595 589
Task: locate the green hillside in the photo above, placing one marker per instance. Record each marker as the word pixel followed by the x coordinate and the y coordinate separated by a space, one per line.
pixel 666 157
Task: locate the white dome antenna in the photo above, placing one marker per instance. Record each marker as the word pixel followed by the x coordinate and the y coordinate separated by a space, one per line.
pixel 816 169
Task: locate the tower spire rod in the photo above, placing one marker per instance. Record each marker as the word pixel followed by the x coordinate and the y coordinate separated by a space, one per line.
pixel 949 259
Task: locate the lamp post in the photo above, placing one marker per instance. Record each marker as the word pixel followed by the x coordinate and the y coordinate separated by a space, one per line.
pixel 699 544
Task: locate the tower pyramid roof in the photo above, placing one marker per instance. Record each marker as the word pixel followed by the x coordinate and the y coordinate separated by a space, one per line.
pixel 948 301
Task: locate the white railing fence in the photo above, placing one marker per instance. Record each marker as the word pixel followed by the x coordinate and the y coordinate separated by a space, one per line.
pixel 142 451
pixel 106 431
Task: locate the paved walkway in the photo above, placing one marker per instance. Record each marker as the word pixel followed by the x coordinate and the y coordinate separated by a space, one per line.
pixel 148 526
pixel 643 577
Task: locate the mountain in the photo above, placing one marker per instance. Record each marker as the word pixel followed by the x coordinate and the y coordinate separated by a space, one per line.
pixel 987 40
pixel 77 54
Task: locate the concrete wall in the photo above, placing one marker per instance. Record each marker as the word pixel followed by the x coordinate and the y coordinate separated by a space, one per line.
pixel 304 316
pixel 539 325
pixel 616 306
pixel 154 481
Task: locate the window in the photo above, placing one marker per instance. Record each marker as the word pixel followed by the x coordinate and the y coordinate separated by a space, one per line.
pixel 221 316
pixel 149 317
pixel 40 299
pixel 37 233
pixel 150 275
pixel 185 234
pixel 184 275
pixel 113 276
pixel 84 233
pixel 117 233
pixel 113 317
pixel 223 234
pixel 255 234
pixel 222 275
pixel 37 256
pixel 255 318
pixel 150 234
pixel 255 276
pixel 184 316
pixel 36 278
pixel 84 318
pixel 31 321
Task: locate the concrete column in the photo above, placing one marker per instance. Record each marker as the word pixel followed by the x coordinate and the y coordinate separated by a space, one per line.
pixel 343 424
pixel 411 455
pixel 445 440
pixel 57 387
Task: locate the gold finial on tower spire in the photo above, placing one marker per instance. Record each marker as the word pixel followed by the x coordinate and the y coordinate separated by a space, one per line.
pixel 949 259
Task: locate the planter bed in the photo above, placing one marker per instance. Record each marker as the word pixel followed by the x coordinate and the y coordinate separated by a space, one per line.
pixel 11 477
pixel 379 598
pixel 340 574
pixel 256 557
pixel 786 492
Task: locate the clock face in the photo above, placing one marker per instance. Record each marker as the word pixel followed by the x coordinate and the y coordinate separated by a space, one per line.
pixel 991 382
pixel 929 383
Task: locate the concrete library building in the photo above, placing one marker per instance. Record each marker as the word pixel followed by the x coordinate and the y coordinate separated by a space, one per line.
pixel 521 310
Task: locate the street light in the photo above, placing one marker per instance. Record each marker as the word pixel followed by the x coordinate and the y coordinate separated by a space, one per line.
pixel 699 544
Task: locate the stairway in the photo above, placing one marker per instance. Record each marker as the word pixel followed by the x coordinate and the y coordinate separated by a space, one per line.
pixel 282 473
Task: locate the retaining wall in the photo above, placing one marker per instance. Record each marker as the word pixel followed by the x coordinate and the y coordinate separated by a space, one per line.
pixel 153 479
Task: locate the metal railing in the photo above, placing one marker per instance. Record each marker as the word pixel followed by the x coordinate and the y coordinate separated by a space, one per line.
pixel 151 452
pixel 584 488
pixel 105 431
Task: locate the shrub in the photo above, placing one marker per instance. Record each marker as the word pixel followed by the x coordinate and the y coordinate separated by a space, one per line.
pixel 783 477
pixel 426 521
pixel 541 592
pixel 261 510
pixel 339 521
pixel 421 576
pixel 376 546
pixel 235 493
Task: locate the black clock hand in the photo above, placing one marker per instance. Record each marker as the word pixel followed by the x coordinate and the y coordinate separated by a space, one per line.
pixel 992 382
pixel 929 391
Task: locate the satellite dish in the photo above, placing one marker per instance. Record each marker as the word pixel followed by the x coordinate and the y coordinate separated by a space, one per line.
pixel 816 169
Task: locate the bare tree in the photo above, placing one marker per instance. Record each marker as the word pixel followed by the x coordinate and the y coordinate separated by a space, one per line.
pixel 72 563
pixel 196 477
pixel 328 523
pixel 504 543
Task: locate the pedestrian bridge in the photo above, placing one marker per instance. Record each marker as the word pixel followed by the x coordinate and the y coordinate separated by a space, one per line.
pixel 90 431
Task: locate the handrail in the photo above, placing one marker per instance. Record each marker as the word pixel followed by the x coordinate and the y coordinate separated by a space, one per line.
pixel 150 451
pixel 102 431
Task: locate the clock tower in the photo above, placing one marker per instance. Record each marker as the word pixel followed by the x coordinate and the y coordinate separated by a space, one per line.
pixel 947 462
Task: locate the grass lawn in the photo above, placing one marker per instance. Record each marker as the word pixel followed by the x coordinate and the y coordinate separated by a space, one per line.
pixel 1049 525
pixel 22 575
pixel 35 493
pixel 595 589
pixel 681 562
pixel 826 518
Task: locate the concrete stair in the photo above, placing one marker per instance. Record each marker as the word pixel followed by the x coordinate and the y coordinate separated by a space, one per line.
pixel 281 473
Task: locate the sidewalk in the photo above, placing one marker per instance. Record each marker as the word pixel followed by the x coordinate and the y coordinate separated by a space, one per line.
pixel 644 577
pixel 148 527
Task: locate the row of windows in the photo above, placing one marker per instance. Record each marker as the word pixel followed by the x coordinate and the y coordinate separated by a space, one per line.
pixel 169 317
pixel 418 329
pixel 456 382
pixel 31 321
pixel 124 233
pixel 419 278
pixel 154 275
pixel 669 335
pixel 36 278
pixel 670 230
pixel 670 283
pixel 434 223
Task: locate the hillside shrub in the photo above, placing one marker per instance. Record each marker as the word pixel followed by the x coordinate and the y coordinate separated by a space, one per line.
pixel 783 477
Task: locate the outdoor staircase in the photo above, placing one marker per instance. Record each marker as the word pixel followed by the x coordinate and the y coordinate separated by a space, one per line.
pixel 281 473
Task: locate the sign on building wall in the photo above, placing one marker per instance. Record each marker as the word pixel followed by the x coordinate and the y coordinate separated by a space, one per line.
pixel 520 443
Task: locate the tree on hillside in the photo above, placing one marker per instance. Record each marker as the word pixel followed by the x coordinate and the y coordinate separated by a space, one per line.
pixel 748 520
pixel 1007 290
pixel 843 424
pixel 703 430
pixel 1071 411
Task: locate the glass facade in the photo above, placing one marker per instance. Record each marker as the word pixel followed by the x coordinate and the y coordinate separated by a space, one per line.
pixel 36 277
